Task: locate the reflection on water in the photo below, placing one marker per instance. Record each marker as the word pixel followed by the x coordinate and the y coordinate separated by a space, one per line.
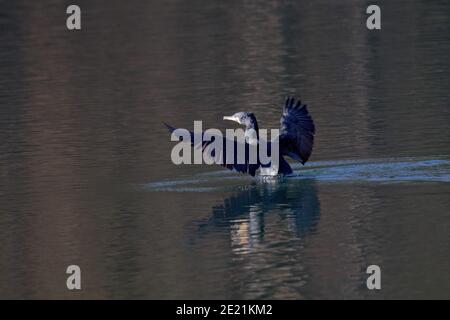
pixel 266 226
pixel 244 213
pixel 276 244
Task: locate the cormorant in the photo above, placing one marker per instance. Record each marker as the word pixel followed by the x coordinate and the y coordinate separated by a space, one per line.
pixel 295 141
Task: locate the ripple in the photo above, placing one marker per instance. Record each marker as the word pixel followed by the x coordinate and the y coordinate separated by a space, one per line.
pixel 390 170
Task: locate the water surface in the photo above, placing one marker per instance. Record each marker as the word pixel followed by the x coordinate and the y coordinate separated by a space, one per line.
pixel 85 170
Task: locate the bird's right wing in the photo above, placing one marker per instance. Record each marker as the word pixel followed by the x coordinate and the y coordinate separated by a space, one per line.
pixel 297 131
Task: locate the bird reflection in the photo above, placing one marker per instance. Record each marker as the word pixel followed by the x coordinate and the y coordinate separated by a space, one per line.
pixel 265 212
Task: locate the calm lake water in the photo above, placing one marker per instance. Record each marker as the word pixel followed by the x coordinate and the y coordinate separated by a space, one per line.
pixel 85 170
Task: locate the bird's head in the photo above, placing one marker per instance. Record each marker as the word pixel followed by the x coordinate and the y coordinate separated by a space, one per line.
pixel 245 118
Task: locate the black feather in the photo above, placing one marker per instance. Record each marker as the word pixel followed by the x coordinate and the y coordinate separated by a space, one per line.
pixel 297 131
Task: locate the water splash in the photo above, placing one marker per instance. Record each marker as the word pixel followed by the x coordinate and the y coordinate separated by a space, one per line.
pixel 387 170
pixel 390 170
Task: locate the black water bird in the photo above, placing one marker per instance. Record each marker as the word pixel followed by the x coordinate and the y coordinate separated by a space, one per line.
pixel 295 141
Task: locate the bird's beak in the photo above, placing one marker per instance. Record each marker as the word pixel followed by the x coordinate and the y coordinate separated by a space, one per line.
pixel 232 118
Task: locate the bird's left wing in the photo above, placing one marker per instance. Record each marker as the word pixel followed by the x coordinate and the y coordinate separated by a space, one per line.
pixel 245 167
pixel 297 131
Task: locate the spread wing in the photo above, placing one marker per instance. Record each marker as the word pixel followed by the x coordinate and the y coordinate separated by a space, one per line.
pixel 297 131
pixel 245 167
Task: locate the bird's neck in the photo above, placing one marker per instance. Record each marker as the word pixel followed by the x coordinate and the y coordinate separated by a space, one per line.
pixel 251 132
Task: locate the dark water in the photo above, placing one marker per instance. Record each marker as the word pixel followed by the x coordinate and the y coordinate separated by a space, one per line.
pixel 86 176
